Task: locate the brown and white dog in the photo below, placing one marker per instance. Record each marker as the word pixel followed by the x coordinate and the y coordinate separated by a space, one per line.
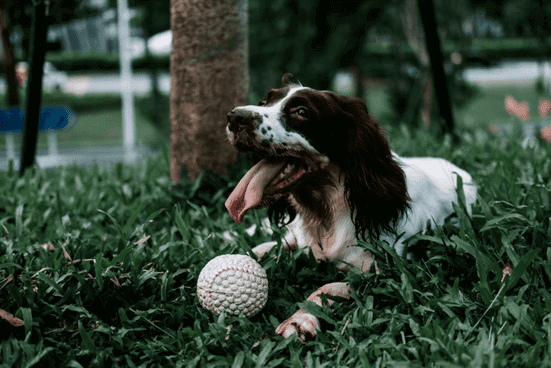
pixel 326 166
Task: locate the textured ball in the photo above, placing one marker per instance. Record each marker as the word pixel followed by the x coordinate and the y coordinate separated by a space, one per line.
pixel 234 283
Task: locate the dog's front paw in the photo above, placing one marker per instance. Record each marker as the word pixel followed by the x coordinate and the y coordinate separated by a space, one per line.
pixel 302 324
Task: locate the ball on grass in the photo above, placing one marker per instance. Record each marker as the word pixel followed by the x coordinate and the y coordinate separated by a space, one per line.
pixel 234 283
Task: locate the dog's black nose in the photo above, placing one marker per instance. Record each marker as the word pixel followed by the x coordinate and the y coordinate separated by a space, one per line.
pixel 239 118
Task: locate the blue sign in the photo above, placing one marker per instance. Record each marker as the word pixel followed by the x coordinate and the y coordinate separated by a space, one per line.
pixel 56 118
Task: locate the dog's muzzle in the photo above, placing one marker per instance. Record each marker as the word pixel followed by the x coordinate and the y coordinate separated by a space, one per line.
pixel 239 119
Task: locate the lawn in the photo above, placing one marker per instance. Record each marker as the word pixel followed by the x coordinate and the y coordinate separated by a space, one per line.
pixel 100 116
pixel 99 122
pixel 489 107
pixel 101 265
pixel 486 108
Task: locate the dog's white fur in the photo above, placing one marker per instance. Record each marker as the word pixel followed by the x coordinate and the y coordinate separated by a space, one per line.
pixel 431 185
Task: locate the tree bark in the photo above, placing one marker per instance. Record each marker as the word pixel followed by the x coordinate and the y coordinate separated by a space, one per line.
pixel 33 98
pixel 209 70
pixel 426 10
pixel 412 30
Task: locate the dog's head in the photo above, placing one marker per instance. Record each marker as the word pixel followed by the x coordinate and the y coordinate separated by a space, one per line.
pixel 302 136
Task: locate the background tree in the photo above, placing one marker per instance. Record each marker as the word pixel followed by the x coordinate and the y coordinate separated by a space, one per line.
pixel 416 41
pixel 61 11
pixel 314 40
pixel 434 49
pixel 8 60
pixel 531 18
pixel 310 39
pixel 15 16
pixel 33 100
pixel 209 71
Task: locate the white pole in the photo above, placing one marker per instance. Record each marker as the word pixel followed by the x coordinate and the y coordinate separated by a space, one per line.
pixel 11 146
pixel 52 144
pixel 125 57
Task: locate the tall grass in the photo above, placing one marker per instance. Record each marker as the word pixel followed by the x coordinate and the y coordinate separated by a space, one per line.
pixel 117 285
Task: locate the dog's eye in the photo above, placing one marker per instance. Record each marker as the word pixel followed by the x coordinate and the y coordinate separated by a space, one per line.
pixel 301 112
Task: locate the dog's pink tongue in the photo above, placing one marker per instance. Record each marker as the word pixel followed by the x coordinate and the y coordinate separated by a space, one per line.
pixel 248 193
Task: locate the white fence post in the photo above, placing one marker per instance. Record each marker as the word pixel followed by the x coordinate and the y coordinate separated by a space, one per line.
pixel 10 146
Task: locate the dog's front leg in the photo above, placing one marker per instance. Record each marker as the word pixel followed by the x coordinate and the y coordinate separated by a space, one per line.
pixel 289 244
pixel 263 248
pixel 304 324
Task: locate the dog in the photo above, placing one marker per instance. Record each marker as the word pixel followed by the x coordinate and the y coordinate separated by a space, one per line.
pixel 327 173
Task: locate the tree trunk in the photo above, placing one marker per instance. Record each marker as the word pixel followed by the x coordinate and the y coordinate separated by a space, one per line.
pixel 7 58
pixel 412 30
pixel 33 93
pixel 209 70
pixel 426 10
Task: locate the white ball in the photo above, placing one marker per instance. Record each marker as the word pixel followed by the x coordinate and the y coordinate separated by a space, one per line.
pixel 234 283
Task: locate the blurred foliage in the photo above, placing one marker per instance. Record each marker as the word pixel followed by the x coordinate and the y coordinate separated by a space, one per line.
pixel 85 61
pixel 80 104
pixel 153 16
pixel 314 40
pixel 524 18
pixel 19 16
pixel 402 94
pixel 157 110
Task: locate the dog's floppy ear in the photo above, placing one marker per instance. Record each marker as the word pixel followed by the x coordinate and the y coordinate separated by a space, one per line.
pixel 375 184
pixel 285 79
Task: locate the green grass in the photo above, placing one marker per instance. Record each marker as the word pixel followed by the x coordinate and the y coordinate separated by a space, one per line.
pixel 486 108
pixel 489 106
pixel 120 287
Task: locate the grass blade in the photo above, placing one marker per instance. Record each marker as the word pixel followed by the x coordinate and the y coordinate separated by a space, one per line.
pixel 122 234
pixel 520 269
pixel 99 271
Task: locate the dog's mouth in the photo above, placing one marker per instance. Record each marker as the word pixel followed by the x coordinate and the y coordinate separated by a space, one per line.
pixel 268 177
pixel 290 172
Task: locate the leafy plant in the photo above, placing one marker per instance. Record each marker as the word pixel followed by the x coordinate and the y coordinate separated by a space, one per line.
pixel 101 266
